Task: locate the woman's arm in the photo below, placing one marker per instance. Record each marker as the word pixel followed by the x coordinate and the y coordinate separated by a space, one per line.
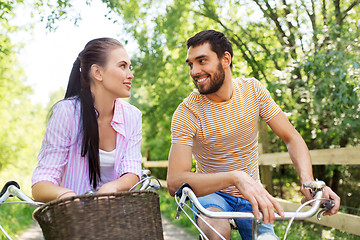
pixel 46 191
pixel 53 155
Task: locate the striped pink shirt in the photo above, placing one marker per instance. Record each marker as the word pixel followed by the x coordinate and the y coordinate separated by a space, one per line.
pixel 60 160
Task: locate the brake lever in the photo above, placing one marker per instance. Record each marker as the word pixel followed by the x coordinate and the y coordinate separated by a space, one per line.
pixel 182 197
pixel 327 205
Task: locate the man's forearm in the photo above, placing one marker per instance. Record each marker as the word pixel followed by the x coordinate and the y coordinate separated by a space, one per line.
pixel 202 184
pixel 300 156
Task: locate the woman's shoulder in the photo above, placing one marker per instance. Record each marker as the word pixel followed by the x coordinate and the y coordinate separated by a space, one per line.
pixel 67 105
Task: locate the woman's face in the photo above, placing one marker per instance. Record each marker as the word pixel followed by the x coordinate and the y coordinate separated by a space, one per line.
pixel 116 75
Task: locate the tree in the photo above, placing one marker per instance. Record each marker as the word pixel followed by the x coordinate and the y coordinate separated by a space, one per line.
pixel 302 50
pixel 305 52
pixel 21 122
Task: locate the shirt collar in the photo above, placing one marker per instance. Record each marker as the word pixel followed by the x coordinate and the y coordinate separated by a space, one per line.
pixel 117 122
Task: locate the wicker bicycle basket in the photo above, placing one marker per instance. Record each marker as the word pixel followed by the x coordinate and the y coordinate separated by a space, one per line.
pixel 123 215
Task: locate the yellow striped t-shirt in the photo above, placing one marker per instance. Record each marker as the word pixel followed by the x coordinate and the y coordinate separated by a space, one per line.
pixel 224 135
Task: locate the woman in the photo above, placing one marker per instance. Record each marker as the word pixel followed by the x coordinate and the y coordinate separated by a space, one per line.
pixel 92 140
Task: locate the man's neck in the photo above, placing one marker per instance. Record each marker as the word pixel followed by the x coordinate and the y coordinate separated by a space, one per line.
pixel 225 92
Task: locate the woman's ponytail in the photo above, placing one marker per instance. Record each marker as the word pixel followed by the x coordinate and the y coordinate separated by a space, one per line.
pixel 74 85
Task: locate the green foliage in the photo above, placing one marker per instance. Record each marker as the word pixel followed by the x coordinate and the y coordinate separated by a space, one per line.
pixel 293 48
pixel 15 218
pixel 21 122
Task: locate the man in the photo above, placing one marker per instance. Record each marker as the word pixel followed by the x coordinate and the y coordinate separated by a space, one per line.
pixel 218 125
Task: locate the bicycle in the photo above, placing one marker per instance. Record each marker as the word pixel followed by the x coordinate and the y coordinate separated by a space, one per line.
pixel 133 214
pixel 185 193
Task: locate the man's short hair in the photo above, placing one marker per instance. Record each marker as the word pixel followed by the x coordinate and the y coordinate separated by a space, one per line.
pixel 218 42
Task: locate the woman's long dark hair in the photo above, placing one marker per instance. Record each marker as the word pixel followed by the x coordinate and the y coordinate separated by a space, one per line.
pixel 95 52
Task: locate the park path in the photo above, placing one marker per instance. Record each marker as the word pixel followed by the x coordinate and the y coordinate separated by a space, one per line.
pixel 171 232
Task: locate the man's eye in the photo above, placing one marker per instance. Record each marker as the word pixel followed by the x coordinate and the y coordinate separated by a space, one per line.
pixel 202 61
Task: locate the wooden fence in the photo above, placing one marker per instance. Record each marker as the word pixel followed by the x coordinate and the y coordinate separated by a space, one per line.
pixel 339 156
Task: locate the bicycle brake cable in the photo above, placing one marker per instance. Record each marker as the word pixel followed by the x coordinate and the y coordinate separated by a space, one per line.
pixel 298 210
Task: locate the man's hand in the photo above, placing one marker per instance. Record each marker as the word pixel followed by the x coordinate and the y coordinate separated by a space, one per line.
pixel 259 198
pixel 328 193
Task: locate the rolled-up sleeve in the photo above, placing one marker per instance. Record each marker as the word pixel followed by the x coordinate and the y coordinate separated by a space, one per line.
pixel 53 155
pixel 132 156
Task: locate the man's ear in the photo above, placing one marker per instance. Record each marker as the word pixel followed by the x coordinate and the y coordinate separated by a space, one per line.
pixel 226 60
pixel 96 72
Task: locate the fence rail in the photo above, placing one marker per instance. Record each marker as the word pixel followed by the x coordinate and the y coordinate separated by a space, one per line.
pixel 339 156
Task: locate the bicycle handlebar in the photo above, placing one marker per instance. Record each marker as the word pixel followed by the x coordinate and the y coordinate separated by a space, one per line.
pixel 185 192
pixel 12 189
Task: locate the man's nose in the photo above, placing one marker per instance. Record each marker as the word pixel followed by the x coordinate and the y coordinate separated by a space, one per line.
pixel 195 70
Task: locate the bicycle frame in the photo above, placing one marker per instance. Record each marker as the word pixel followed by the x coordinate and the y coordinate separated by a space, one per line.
pixel 185 192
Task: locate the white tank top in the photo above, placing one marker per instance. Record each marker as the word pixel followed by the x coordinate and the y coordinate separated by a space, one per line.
pixel 107 160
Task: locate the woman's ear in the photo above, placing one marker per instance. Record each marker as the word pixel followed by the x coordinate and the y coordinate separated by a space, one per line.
pixel 226 60
pixel 96 72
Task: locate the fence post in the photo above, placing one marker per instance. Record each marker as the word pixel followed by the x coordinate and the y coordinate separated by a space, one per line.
pixel 265 171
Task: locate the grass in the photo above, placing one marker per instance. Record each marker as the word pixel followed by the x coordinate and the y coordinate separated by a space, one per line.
pixel 299 230
pixel 15 218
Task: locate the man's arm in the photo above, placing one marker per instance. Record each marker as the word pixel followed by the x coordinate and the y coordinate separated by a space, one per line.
pixel 179 172
pixel 300 156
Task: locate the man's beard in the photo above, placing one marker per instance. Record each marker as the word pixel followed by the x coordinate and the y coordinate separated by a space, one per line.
pixel 216 81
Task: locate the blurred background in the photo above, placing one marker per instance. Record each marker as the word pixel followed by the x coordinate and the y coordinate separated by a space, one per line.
pixel 305 52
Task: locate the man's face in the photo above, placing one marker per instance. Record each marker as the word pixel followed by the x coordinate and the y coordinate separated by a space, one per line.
pixel 205 69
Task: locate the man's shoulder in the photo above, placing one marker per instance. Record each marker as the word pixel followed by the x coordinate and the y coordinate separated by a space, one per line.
pixel 244 81
pixel 194 99
pixel 190 104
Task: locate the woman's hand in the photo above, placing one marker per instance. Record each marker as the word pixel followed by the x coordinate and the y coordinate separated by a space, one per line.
pixel 124 183
pixel 109 187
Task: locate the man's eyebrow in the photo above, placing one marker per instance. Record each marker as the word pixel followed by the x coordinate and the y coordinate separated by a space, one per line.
pixel 197 58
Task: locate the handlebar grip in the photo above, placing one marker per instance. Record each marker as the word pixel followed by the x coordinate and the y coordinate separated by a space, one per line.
pixel 178 192
pixel 7 185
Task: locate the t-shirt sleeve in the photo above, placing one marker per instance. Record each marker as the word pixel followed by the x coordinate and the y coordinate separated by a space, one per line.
pixel 268 108
pixel 183 126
